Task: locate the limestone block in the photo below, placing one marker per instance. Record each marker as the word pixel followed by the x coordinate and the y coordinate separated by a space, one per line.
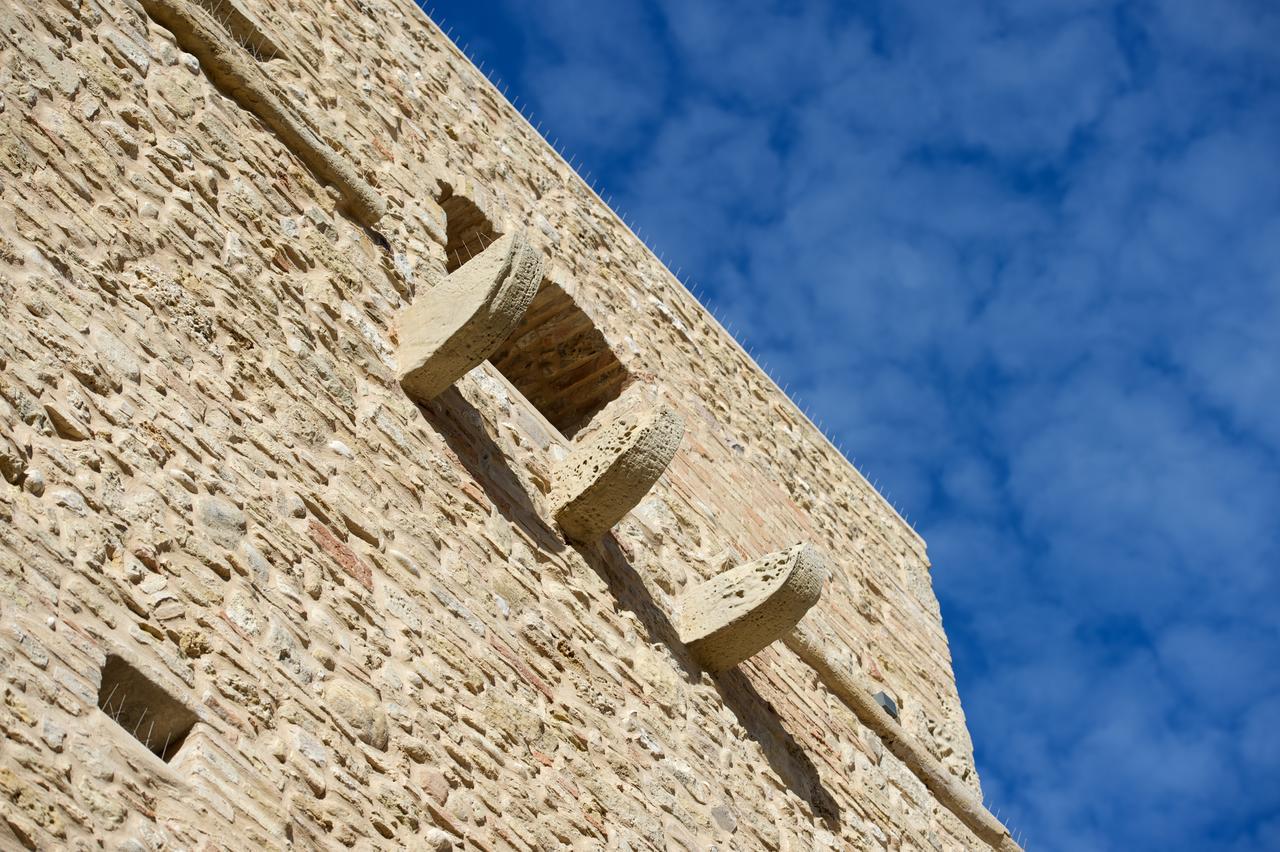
pixel 602 480
pixel 452 328
pixel 739 612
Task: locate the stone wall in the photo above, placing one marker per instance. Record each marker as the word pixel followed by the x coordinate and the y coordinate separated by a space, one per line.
pixel 354 615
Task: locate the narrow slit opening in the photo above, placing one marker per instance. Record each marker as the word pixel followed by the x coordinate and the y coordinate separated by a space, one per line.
pixel 467 230
pixel 144 709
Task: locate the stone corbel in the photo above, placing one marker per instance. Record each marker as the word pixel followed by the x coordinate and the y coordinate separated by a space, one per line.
pixel 740 611
pixel 450 329
pixel 606 477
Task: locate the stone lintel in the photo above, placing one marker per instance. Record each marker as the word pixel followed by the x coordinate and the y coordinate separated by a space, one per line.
pixel 738 612
pixel 451 328
pixel 599 482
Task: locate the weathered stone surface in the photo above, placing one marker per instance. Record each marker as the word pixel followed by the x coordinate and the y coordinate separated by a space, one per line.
pixel 234 70
pixel 235 489
pixel 224 522
pixel 451 328
pixel 606 477
pixel 361 708
pixel 858 697
pixel 740 611
pixel 13 462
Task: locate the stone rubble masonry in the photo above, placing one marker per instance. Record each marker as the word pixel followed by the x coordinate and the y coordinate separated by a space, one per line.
pixel 739 612
pixel 448 331
pixel 858 696
pixel 607 476
pixel 210 470
pixel 234 70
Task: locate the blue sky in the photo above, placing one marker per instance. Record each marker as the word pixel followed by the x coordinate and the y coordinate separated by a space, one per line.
pixel 1023 261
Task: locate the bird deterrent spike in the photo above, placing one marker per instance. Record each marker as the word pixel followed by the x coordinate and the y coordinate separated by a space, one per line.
pixel 140 718
pixel 114 687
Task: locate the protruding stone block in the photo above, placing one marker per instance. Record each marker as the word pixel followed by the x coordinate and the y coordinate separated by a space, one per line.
pixel 235 71
pixel 852 688
pixel 739 612
pixel 609 475
pixel 455 326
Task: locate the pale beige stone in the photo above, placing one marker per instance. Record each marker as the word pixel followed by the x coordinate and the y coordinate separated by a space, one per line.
pixel 235 71
pixel 858 697
pixel 740 611
pixel 361 708
pixel 450 329
pixel 602 480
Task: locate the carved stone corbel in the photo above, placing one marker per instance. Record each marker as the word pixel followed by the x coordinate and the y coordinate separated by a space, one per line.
pixel 599 482
pixel 738 612
pixel 451 328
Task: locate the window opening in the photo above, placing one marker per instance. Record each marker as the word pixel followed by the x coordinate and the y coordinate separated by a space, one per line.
pixel 150 714
pixel 560 361
pixel 467 230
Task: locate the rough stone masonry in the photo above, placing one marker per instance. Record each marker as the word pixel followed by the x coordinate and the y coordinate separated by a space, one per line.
pixel 253 594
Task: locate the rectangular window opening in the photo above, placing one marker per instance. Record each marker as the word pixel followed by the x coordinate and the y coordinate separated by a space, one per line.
pixel 467 231
pixel 136 703
pixel 561 362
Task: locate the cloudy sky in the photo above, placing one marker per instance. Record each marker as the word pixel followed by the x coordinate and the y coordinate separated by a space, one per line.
pixel 1023 261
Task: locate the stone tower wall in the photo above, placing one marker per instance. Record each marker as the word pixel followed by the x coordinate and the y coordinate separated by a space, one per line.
pixel 220 506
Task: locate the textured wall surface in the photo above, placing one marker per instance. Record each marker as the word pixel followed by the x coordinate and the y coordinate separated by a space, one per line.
pixel 212 475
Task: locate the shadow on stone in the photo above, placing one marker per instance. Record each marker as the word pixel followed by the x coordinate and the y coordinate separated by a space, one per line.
pixel 784 754
pixel 464 430
pixel 752 711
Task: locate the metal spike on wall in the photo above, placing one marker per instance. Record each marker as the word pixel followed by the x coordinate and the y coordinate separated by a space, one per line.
pixel 576 164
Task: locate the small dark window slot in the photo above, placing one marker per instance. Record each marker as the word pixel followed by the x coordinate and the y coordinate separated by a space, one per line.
pixel 890 706
pixel 467 231
pixel 136 703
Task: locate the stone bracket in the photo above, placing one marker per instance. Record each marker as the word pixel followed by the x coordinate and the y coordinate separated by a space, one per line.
pixel 602 480
pixel 738 612
pixel 451 328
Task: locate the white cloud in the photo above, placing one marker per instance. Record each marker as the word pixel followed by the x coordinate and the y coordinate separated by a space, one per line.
pixel 1022 257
